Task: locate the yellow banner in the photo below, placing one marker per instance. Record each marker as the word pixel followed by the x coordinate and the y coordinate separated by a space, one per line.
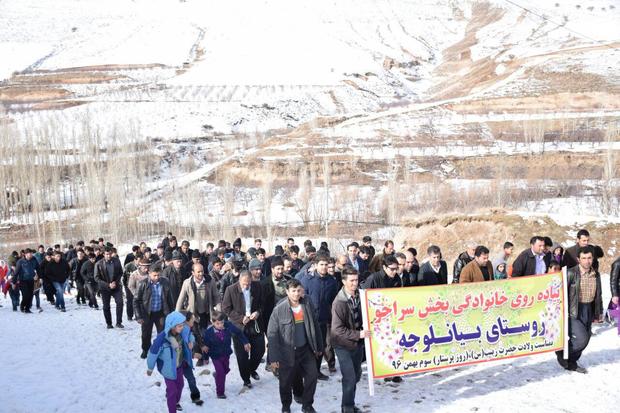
pixel 426 328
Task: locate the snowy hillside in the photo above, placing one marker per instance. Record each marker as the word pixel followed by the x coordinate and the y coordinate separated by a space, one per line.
pixel 263 95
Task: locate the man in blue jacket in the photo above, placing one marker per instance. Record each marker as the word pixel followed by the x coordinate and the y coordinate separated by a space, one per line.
pixel 27 272
pixel 321 289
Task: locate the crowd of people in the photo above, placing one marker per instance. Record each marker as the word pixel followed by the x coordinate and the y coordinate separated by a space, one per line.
pixel 299 305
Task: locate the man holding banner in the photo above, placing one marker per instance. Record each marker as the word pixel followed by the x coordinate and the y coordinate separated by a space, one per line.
pixel 585 304
pixel 347 336
pixel 444 326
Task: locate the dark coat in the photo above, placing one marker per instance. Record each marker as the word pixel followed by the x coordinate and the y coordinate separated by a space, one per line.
pixel 175 278
pixel 57 272
pixel 76 269
pixel 142 299
pixel 268 292
pixel 281 333
pixel 101 275
pixel 571 257
pixel 381 280
pixel 525 264
pixel 88 272
pixel 233 305
pixel 428 276
pixel 321 291
pixel 343 332
pixel 459 264
pixel 377 261
pixel 614 278
pixel 573 279
pixel 219 348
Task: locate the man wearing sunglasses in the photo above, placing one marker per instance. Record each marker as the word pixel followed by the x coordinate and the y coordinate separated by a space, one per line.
pixel 387 277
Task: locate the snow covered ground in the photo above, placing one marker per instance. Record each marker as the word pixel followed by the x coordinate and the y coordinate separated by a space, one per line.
pixel 55 362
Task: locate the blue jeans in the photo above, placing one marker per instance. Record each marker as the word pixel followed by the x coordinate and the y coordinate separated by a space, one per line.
pixel 37 298
pixel 351 368
pixel 60 290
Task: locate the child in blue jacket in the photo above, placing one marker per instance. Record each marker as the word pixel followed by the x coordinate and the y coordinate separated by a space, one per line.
pixel 218 339
pixel 171 353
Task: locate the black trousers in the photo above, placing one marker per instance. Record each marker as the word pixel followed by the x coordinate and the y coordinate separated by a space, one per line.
pixel 305 363
pixel 26 287
pixel 328 353
pixel 106 295
pixel 579 330
pixel 129 298
pixel 91 290
pixel 81 293
pixel 156 319
pixel 49 291
pixel 248 363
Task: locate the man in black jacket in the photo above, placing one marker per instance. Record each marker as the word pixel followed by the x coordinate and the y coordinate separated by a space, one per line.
pixel 614 278
pixel 242 304
pixel 387 277
pixel 463 259
pixel 585 305
pixel 435 270
pixel 76 274
pixel 58 271
pixel 109 276
pixel 273 289
pixel 532 261
pixel 174 275
pixel 583 240
pixel 152 303
pixel 88 275
pixel 294 345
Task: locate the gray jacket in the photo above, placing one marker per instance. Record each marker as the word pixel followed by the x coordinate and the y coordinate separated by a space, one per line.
pixel 281 332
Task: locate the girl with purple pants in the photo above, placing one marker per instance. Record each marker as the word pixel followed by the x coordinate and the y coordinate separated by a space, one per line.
pixel 170 353
pixel 218 339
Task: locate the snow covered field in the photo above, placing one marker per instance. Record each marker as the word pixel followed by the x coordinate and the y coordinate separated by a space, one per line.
pixel 56 362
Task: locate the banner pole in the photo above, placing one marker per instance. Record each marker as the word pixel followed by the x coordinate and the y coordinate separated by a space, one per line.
pixel 366 326
pixel 566 304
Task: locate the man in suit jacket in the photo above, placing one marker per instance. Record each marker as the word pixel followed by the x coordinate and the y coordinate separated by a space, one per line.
pixel 108 275
pixel 242 304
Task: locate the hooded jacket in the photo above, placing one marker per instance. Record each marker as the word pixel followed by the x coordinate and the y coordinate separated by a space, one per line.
pixel 163 353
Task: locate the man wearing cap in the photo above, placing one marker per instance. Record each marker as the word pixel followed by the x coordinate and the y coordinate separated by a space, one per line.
pixel 109 274
pixel 231 276
pixel 174 276
pixel 237 253
pixel 256 269
pixel 152 303
pixel 137 276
